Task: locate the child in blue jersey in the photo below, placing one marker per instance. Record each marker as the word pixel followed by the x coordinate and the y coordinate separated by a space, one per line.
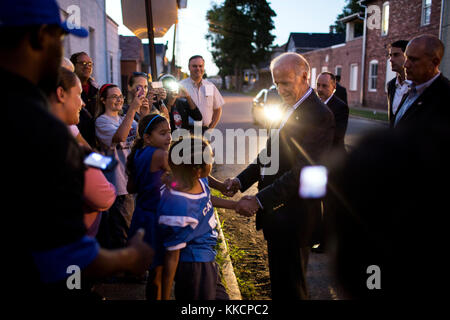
pixel 145 166
pixel 187 225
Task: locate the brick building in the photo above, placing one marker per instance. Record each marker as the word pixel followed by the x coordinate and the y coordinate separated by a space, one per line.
pixel 132 59
pixel 397 19
pixel 343 59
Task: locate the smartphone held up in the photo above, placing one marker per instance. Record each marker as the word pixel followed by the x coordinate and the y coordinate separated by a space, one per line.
pixel 99 161
pixel 313 182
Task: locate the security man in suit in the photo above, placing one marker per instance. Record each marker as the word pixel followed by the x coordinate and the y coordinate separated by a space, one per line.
pixel 397 87
pixel 326 88
pixel 341 92
pixel 428 97
pixel 288 221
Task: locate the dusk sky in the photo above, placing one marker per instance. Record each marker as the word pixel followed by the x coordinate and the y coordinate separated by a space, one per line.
pixel 292 16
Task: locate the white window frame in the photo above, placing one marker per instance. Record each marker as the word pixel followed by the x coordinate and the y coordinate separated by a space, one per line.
pixel 353 83
pixel 336 69
pixel 372 76
pixel 384 20
pixel 313 77
pixel 425 8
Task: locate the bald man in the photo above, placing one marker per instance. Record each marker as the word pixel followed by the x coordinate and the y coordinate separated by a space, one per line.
pixel 429 95
pixel 288 222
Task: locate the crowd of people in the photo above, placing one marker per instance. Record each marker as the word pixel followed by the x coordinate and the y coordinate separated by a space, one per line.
pixel 151 214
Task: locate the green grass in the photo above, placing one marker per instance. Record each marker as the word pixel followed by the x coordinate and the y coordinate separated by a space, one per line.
pixel 218 194
pixel 369 114
pixel 243 277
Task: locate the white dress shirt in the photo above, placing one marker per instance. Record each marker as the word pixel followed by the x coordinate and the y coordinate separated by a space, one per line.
pixel 206 97
pixel 400 90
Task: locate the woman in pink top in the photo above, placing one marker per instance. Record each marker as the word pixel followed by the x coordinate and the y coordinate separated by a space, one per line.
pixel 98 193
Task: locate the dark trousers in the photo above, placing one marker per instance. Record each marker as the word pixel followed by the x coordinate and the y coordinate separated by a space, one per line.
pixel 199 281
pixel 287 267
pixel 115 223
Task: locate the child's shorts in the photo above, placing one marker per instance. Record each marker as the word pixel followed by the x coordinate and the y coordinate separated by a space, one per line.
pixel 199 281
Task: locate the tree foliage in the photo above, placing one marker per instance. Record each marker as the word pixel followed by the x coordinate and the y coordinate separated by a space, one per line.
pixel 350 8
pixel 240 35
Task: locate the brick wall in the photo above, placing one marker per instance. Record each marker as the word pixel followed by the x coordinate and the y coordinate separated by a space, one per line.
pixel 340 55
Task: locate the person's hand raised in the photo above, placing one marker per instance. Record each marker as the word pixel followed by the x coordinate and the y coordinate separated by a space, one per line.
pixel 145 108
pixel 137 101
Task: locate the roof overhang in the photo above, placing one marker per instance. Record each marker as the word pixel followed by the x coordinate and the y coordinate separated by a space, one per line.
pixel 351 17
pixel 165 14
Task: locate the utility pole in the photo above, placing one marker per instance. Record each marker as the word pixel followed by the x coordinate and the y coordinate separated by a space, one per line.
pixel 172 64
pixel 151 38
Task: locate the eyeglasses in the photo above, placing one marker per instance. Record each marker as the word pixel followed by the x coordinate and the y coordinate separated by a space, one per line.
pixel 117 98
pixel 84 64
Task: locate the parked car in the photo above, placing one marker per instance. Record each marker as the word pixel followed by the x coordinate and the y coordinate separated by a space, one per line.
pixel 266 108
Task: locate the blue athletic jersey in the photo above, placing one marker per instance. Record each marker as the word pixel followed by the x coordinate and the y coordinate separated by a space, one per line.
pixel 187 222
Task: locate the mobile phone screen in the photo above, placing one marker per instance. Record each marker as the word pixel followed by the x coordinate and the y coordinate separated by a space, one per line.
pixel 97 160
pixel 140 90
pixel 313 182
pixel 157 84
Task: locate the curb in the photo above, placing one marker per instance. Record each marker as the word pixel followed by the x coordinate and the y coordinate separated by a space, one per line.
pixel 229 277
pixel 369 119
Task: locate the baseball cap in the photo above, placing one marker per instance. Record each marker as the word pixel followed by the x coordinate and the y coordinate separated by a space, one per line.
pixel 19 13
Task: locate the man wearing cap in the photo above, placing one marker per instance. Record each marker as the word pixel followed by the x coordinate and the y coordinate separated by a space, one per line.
pixel 49 244
pixel 204 93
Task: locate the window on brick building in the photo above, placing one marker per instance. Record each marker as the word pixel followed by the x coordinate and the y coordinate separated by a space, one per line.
pixel 385 19
pixel 426 12
pixel 313 78
pixel 353 77
pixel 373 74
pixel 338 70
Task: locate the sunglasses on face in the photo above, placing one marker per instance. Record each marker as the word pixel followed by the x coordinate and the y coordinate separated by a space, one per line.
pixel 86 64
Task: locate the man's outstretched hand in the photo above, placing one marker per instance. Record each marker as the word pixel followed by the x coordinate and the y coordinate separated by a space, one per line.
pixel 247 206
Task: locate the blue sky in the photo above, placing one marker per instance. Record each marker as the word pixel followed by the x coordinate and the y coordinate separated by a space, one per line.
pixel 292 16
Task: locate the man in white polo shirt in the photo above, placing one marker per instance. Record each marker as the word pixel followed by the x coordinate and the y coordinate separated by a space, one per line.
pixel 204 93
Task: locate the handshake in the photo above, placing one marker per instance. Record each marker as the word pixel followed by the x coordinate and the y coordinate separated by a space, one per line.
pixel 246 206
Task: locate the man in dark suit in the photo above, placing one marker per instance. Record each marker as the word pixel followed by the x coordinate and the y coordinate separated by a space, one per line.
pixel 396 87
pixel 325 87
pixel 288 221
pixel 341 92
pixel 429 95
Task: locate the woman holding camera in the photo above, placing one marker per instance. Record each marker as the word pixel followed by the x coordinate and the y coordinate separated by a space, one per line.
pixel 179 104
pixel 116 134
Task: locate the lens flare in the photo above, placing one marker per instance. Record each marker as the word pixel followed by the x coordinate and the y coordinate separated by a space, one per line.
pixel 273 113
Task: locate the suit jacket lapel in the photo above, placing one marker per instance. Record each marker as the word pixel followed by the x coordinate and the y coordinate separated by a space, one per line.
pixel 420 100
